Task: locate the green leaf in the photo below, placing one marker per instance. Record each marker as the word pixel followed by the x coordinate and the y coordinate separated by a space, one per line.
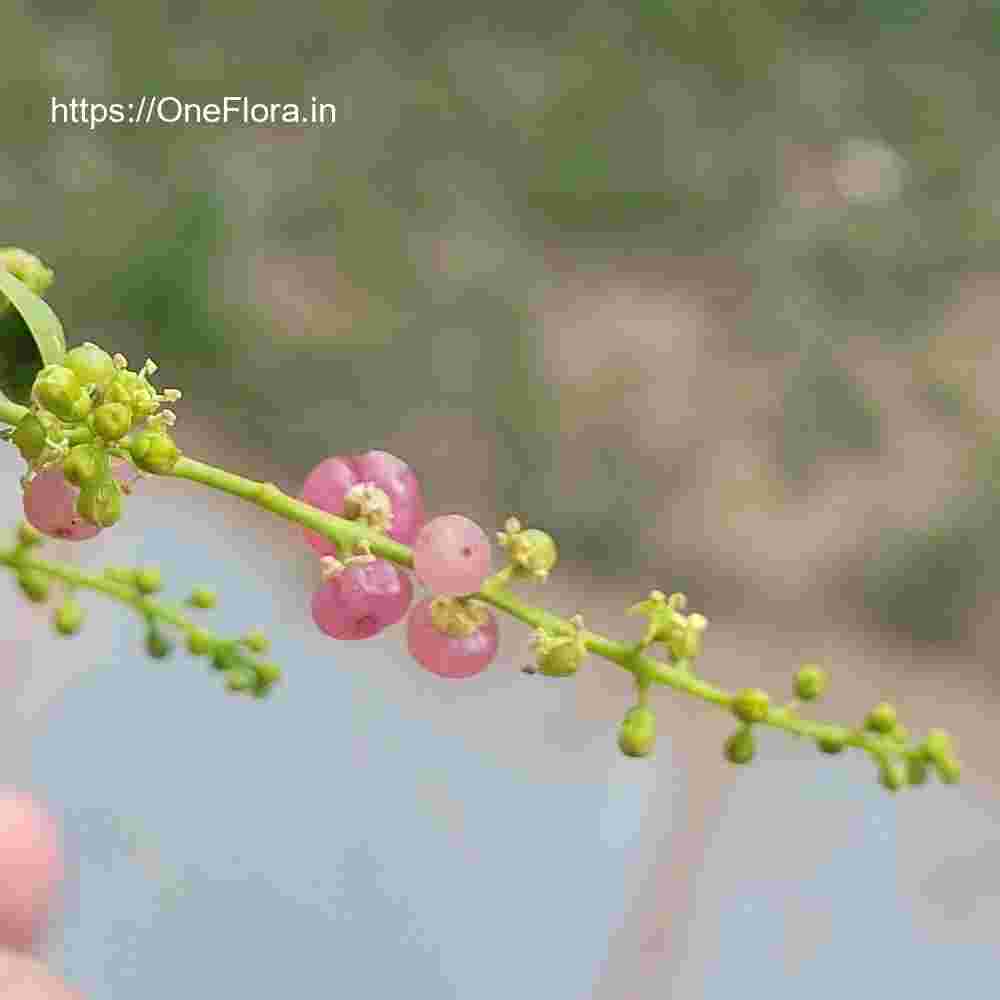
pixel 31 337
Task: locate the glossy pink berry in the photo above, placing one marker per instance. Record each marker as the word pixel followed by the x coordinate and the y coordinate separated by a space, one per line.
pixel 50 504
pixel 451 555
pixel 362 600
pixel 331 482
pixel 450 655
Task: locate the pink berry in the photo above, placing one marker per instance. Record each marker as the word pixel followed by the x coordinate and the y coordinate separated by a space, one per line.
pixel 450 655
pixel 327 486
pixel 362 600
pixel 451 555
pixel 31 869
pixel 50 504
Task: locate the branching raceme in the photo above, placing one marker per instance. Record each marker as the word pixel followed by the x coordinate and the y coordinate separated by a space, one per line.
pixel 90 423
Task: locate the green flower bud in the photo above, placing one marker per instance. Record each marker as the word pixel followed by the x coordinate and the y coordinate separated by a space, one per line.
pixel 60 392
pixel 28 535
pixel 240 678
pixel 111 421
pixel 949 769
pixel 199 642
pixel 90 364
pixel 892 775
pixel 100 503
pixel 830 744
pixel 86 465
pixel 916 770
pixel 68 618
pixel 533 552
pixel 900 733
pixel 202 597
pixel 810 682
pixel 34 585
pixel 132 391
pixel 154 451
pixel 27 268
pixel 939 751
pixel 157 644
pixel 561 658
pixel 739 747
pixel 29 437
pixel 882 718
pixel 637 733
pixel 268 674
pixel 751 705
pixel 257 641
pixel 33 429
pixel 149 579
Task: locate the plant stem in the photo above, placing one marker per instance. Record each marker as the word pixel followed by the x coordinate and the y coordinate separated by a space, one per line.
pixel 347 534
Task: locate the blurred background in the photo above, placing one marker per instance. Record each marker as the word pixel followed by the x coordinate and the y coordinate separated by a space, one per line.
pixel 707 290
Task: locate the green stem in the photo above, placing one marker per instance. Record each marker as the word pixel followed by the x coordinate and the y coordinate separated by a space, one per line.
pixel 347 534
pixel 144 605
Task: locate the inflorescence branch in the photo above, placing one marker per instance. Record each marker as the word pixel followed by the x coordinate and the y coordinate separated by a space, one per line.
pixel 93 407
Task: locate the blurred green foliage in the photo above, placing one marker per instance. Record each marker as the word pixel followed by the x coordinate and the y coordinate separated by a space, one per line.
pixel 472 141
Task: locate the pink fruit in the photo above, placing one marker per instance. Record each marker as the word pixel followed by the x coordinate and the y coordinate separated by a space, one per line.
pixel 31 869
pixel 450 655
pixel 451 555
pixel 362 600
pixel 327 486
pixel 50 504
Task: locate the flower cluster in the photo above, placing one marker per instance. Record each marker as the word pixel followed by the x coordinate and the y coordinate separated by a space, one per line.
pixel 81 411
pixel 92 420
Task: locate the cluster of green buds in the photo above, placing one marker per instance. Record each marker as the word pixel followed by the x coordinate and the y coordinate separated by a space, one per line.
pixel 681 634
pixel 81 411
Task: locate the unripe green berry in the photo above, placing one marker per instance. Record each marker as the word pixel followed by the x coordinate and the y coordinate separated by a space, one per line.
pixel 199 642
pixel 111 421
pixel 202 597
pixel 751 705
pixel 739 747
pixel 154 451
pixel 256 641
pixel 85 465
pixel 60 392
pixel 100 503
pixel 28 535
pixel 637 733
pixel 148 579
pixel 34 585
pixel 810 682
pixel 882 718
pixel 157 644
pixel 90 364
pixel 68 618
pixel 892 775
pixel 830 744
